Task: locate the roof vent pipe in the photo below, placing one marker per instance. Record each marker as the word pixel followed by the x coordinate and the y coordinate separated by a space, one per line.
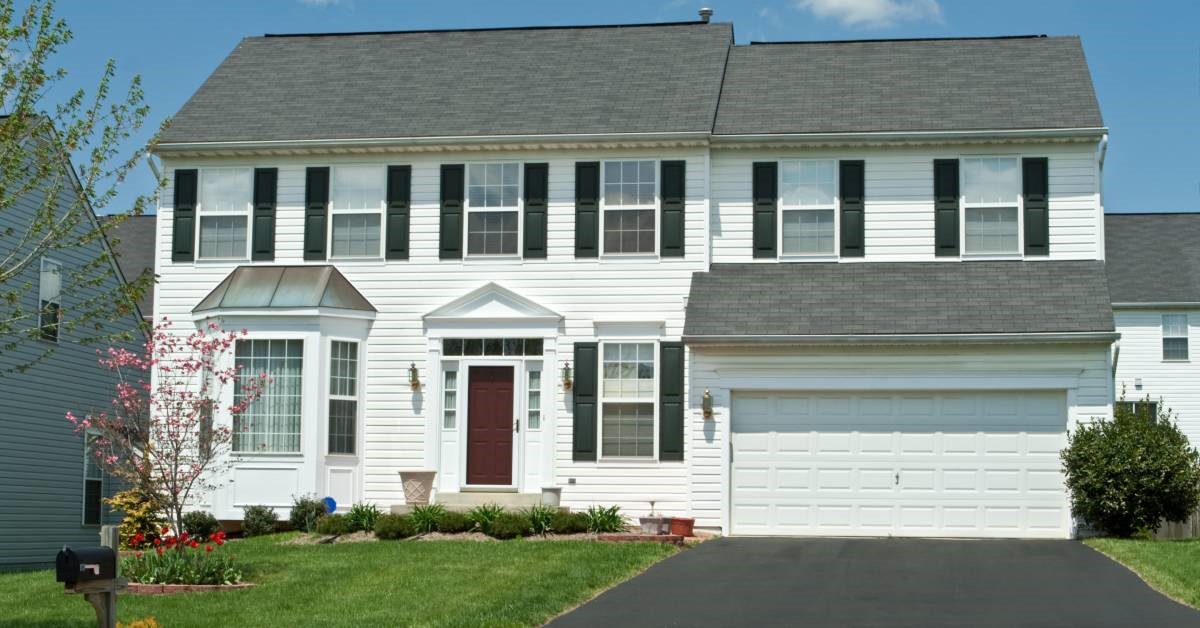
pixel 705 14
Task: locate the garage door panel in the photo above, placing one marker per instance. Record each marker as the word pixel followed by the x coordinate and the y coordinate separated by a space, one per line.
pixel 954 464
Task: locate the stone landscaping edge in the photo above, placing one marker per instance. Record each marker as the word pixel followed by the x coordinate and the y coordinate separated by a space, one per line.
pixel 673 539
pixel 138 588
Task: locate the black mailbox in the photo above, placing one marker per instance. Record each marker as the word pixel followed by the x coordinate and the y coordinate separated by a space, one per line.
pixel 89 563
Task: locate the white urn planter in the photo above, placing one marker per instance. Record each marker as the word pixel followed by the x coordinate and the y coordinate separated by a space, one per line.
pixel 418 486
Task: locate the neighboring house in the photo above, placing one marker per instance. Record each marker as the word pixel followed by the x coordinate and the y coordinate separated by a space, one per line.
pixel 1153 263
pixel 879 263
pixel 50 486
pixel 133 241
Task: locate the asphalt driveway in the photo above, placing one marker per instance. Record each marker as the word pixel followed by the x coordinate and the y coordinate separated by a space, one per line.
pixel 884 582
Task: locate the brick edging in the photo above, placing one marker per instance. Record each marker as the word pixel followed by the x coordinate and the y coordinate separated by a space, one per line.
pixel 138 588
pixel 673 539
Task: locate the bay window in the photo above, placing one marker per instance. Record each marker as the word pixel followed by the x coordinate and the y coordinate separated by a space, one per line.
pixel 807 200
pixel 343 396
pixel 224 206
pixel 630 206
pixel 991 188
pixel 493 208
pixel 627 399
pixel 356 211
pixel 271 422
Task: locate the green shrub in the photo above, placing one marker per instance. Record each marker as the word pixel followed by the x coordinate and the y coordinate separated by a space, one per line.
pixel 390 527
pixel 200 524
pixel 453 522
pixel 362 517
pixel 540 518
pixel 509 525
pixel 1129 474
pixel 335 525
pixel 305 513
pixel 482 515
pixel 259 520
pixel 425 518
pixel 601 520
pixel 569 522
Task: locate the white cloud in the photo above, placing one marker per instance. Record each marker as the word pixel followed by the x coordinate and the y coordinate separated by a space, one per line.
pixel 873 13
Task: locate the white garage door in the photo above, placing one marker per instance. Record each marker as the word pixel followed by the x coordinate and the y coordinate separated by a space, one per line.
pixel 971 464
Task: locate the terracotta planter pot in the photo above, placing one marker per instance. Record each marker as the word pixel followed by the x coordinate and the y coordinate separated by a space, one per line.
pixel 682 526
pixel 418 485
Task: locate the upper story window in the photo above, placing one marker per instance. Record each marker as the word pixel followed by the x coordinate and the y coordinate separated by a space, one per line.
pixel 493 208
pixel 224 203
pixel 343 396
pixel 1175 336
pixel 356 211
pixel 630 204
pixel 271 424
pixel 49 300
pixel 627 395
pixel 991 188
pixel 807 201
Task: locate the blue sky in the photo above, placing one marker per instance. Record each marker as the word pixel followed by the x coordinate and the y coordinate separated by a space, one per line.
pixel 1144 56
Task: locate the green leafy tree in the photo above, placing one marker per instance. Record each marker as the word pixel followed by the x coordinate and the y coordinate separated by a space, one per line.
pixel 61 158
pixel 1129 474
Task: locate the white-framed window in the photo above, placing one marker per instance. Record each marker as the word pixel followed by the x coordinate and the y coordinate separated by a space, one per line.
pixel 1145 409
pixel 93 482
pixel 449 399
pixel 629 206
pixel 271 424
pixel 343 396
pixel 628 410
pixel 808 207
pixel 1175 337
pixel 225 199
pixel 49 299
pixel 533 419
pixel 991 189
pixel 493 208
pixel 356 202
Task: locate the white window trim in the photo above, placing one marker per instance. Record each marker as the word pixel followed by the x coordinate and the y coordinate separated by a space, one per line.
pixel 963 206
pixel 381 172
pixel 448 367
pixel 45 261
pixel 1187 328
pixel 601 399
pixel 836 206
pixel 468 210
pixel 202 213
pixel 531 367
pixel 657 207
pixel 357 398
pixel 89 456
pixel 305 396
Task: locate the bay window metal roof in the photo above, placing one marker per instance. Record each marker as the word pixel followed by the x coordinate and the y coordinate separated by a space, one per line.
pixel 284 288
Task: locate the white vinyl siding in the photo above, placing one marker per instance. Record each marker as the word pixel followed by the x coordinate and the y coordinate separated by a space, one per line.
pixel 1142 373
pixel 271 423
pixel 343 397
pixel 493 208
pixel 991 189
pixel 356 206
pixel 630 207
pixel 49 300
pixel 1175 337
pixel 808 207
pixel 224 201
pixel 627 408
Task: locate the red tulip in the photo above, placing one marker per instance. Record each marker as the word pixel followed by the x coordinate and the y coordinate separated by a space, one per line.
pixel 166 530
pixel 208 548
pixel 159 550
pixel 157 542
pixel 139 554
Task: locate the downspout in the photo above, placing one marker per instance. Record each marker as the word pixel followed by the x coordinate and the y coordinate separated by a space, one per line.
pixel 1101 153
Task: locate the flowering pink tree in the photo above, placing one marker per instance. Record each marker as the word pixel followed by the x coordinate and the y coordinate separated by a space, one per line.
pixel 160 436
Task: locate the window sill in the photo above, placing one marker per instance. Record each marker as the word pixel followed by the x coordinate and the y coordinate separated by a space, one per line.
pixel 809 258
pixel 629 257
pixel 267 455
pixel 1183 361
pixel 355 261
pixel 217 261
pixel 487 259
pixel 986 257
pixel 628 461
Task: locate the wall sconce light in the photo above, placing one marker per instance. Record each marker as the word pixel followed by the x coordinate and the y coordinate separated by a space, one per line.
pixel 706 404
pixel 414 379
pixel 566 376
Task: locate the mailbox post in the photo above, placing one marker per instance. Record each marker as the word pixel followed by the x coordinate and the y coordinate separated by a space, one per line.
pixel 92 572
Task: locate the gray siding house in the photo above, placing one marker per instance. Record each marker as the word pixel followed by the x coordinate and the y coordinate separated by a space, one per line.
pixel 50 491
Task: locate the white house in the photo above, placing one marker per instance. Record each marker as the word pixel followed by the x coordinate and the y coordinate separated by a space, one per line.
pixel 849 288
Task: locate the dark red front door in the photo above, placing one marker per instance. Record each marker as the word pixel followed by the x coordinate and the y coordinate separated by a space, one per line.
pixel 490 425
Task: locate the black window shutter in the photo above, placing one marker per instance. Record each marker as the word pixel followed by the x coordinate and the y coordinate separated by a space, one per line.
pixel 399 185
pixel 183 222
pixel 587 209
pixel 674 174
pixel 670 401
pixel 316 212
pixel 945 207
pixel 1035 178
pixel 765 209
pixel 537 188
pixel 263 241
pixel 451 224
pixel 853 193
pixel 584 395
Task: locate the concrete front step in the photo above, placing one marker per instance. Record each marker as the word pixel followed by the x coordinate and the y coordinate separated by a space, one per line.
pixel 467 500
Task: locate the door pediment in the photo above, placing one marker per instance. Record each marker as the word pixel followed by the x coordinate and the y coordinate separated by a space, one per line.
pixel 492 303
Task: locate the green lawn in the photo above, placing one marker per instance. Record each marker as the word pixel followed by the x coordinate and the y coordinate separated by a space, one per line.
pixel 387 583
pixel 1172 567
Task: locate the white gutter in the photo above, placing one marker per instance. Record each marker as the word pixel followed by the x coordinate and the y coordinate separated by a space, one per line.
pixel 450 140
pixel 1085 336
pixel 1082 132
pixel 1159 305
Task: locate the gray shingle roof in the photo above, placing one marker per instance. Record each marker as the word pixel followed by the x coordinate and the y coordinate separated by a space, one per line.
pixel 655 78
pixel 918 85
pixel 1153 258
pixel 899 298
pixel 284 287
pixel 133 241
